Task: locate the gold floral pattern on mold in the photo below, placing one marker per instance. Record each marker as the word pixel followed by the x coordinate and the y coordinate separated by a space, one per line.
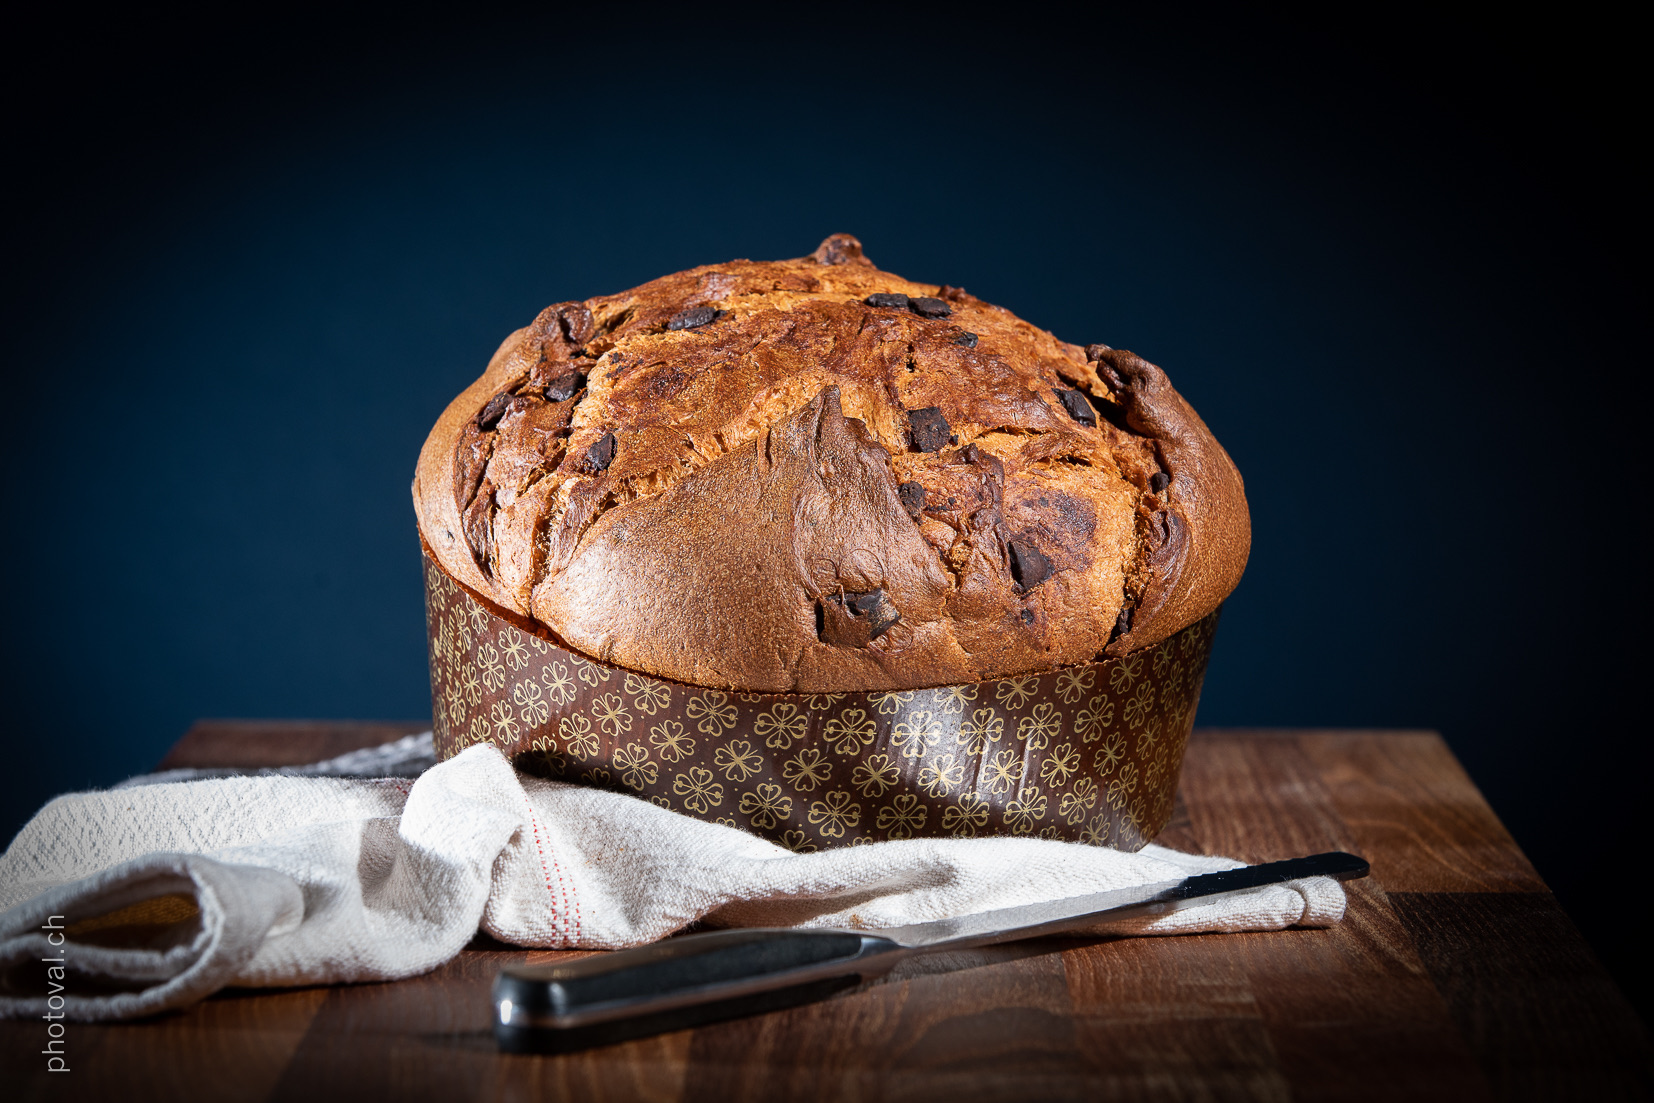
pixel 1089 753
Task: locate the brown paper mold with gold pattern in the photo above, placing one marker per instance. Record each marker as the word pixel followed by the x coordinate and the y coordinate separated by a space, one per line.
pixel 1089 753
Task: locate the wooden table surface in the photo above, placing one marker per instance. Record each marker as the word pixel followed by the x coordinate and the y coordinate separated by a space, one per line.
pixel 1454 975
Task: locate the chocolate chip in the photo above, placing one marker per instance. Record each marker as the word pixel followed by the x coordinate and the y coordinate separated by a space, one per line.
pixel 577 323
pixel 966 339
pixel 495 410
pixel 1095 352
pixel 1159 481
pixel 1027 616
pixel 913 498
pixel 954 294
pixel 926 307
pixel 1029 566
pixel 897 300
pixel 838 249
pixel 600 455
pixel 694 316
pixel 565 386
pixel 929 428
pixel 1122 623
pixel 877 607
pixel 1078 407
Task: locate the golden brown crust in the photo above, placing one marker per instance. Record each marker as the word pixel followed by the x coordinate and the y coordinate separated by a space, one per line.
pixel 747 475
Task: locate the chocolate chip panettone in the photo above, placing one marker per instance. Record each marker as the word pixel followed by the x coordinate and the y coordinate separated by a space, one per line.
pixel 810 476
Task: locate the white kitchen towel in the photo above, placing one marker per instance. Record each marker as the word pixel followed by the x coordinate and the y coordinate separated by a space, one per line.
pixel 134 900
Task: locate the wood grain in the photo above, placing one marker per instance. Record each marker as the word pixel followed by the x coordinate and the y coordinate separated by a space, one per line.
pixel 248 744
pixel 1454 975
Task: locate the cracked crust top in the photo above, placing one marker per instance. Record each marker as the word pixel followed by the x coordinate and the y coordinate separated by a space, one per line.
pixel 811 475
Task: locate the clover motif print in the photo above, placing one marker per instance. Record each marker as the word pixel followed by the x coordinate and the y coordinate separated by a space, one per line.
pixel 1162 659
pixel 591 673
pixel 612 715
pixel 532 708
pixel 876 775
pixel 902 816
pixel 1004 773
pixel 481 731
pixel 821 702
pixel 576 733
pixel 505 724
pixel 806 770
pixel 1077 803
pixel 1041 726
pixel 513 651
pixel 1021 815
pixel 670 740
pixel 1147 737
pixel 985 726
pixel 470 688
pixel 1137 708
pixel 559 686
pixel 493 670
pixel 636 771
pixel 1013 693
pixel 1108 756
pixel 966 817
pixel 1064 760
pixel 917 733
pixel 952 699
pixel 849 731
pixel 941 775
pixel 648 695
pixel 713 710
pixel 699 791
pixel 737 760
pixel 834 814
pixel 1126 670
pixel 1092 720
pixel 780 726
pixel 1073 683
pixel 766 807
pixel 478 616
pixel 889 704
pixel 797 842
pixel 1096 832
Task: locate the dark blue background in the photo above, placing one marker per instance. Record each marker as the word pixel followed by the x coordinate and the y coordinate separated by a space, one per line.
pixel 1396 266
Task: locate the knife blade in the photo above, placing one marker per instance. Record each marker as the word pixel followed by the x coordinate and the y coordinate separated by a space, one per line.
pixel 699 978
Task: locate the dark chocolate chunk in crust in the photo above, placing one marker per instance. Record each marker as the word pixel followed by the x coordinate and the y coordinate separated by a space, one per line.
pixel 839 249
pixel 1078 407
pixel 693 317
pixel 565 386
pixel 1122 623
pixel 913 498
pixel 1027 616
pixel 495 410
pixel 881 614
pixel 927 307
pixel 880 298
pixel 929 428
pixel 966 339
pixel 1029 565
pixel 600 455
pixel 1095 352
pixel 577 323
pixel 1159 481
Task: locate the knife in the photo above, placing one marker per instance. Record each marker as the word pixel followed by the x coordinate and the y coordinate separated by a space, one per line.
pixel 700 978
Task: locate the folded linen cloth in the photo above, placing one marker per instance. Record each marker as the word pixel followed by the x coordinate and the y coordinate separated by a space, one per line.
pixel 152 897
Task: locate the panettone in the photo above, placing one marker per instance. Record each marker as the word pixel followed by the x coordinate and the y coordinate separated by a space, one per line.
pixel 810 476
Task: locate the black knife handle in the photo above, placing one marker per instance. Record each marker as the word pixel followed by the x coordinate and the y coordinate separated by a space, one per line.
pixel 1334 863
pixel 700 974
